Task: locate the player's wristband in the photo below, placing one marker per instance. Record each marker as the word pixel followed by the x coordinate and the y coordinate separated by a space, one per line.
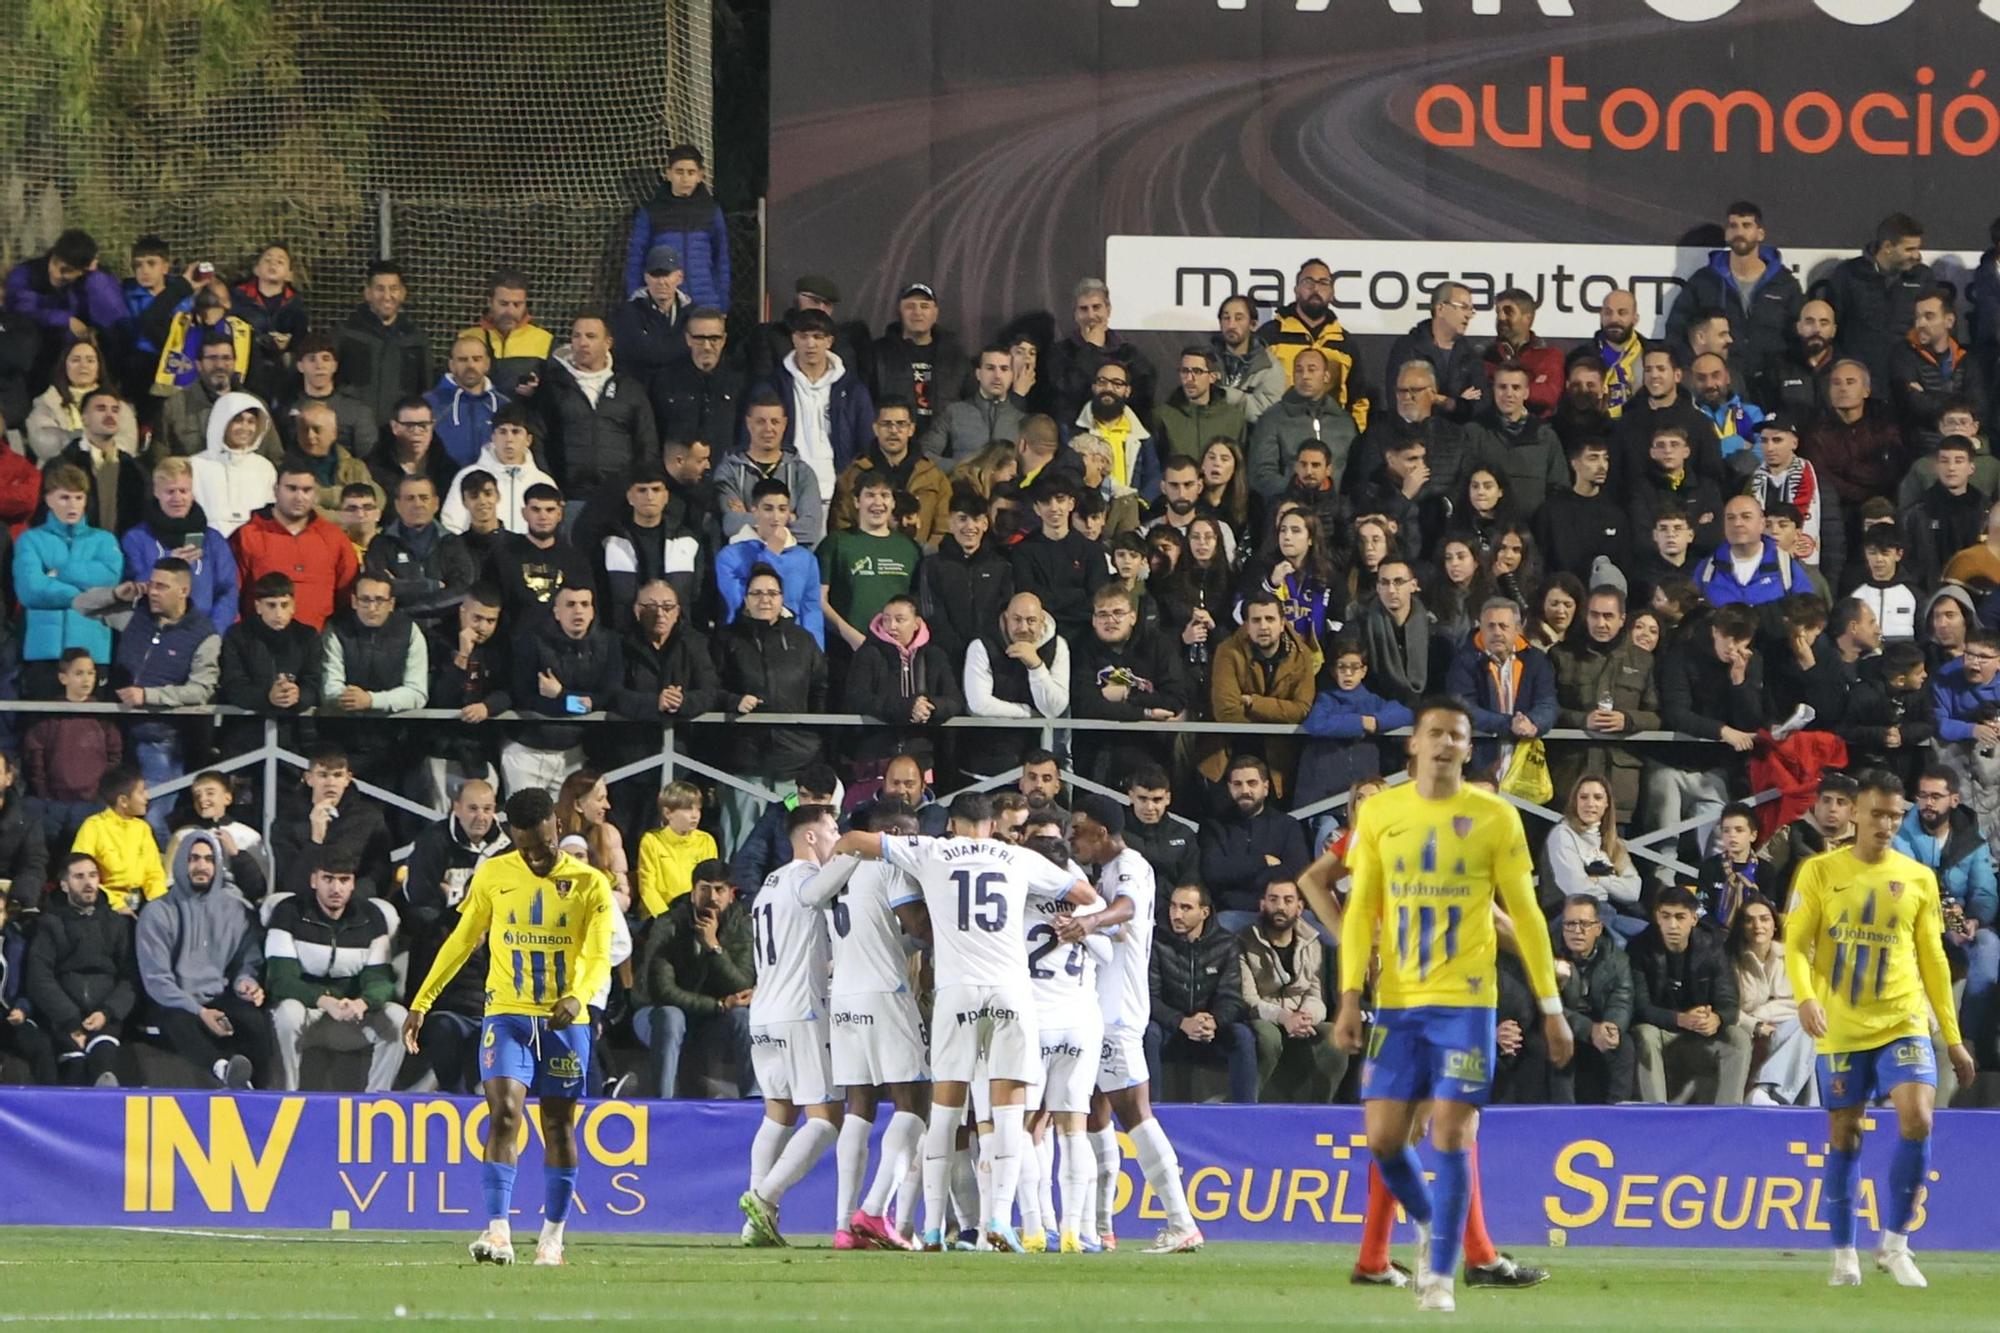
pixel 1552 1005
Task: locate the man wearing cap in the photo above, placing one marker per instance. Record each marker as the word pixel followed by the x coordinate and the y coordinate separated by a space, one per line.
pixel 648 326
pixel 829 416
pixel 917 361
pixel 1783 476
pixel 1747 569
pixel 773 342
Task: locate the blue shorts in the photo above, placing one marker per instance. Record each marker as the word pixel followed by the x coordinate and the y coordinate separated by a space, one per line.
pixel 1433 1051
pixel 1856 1078
pixel 548 1062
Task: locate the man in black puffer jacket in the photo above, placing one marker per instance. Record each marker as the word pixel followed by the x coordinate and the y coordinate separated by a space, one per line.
pixel 1684 1005
pixel 565 666
pixel 81 976
pixel 599 420
pixel 24 848
pixel 1197 987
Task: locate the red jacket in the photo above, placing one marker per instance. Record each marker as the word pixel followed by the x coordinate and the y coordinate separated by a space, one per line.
pixel 319 561
pixel 1544 365
pixel 20 488
pixel 1793 766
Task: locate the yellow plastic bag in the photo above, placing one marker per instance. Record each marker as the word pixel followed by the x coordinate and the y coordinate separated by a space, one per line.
pixel 1527 775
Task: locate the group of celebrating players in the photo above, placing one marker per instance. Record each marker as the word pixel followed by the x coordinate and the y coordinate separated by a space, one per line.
pixel 1040 1000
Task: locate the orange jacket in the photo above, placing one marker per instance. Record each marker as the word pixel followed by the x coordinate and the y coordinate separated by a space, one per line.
pixel 319 561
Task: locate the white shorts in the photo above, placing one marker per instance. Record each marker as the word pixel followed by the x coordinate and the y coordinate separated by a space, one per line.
pixel 876 1040
pixel 993 1026
pixel 1122 1063
pixel 792 1062
pixel 1070 1058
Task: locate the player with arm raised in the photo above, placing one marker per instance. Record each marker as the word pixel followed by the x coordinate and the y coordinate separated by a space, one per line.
pixel 1865 954
pixel 1427 860
pixel 545 918
pixel 975 890
pixel 1064 976
pixel 878 1044
pixel 788 1027
pixel 1125 881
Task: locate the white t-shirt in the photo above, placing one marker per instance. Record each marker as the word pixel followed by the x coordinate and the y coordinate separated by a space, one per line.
pixel 1124 987
pixel 789 935
pixel 867 941
pixel 977 891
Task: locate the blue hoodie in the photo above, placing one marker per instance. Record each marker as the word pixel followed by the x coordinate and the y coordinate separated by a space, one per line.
pixel 797 569
pixel 464 420
pixel 1956 701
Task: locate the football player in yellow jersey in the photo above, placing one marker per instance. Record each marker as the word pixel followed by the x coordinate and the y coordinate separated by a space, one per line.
pixel 1426 861
pixel 1864 948
pixel 545 919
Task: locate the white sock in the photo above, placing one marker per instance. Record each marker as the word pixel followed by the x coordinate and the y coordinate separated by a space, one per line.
pixel 1110 1165
pixel 1163 1171
pixel 1079 1184
pixel 965 1187
pixel 851 1164
pixel 1045 1175
pixel 902 1143
pixel 939 1139
pixel 983 1174
pixel 1029 1192
pixel 552 1231
pixel 808 1145
pixel 766 1148
pixel 910 1190
pixel 1009 1138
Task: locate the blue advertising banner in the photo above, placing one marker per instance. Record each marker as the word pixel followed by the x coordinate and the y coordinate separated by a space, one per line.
pixel 1651 1176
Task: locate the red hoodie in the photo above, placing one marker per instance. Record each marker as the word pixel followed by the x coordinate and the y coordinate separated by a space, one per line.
pixel 319 561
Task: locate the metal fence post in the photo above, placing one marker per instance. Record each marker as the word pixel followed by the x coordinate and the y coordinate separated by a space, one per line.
pixel 270 778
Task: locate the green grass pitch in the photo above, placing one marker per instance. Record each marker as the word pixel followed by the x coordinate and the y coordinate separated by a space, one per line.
pixel 52 1278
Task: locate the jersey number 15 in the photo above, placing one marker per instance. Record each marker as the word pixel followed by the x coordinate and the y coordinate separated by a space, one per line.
pixel 981 905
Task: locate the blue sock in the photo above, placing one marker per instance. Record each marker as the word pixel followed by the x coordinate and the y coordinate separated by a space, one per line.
pixel 1839 1178
pixel 1908 1170
pixel 496 1182
pixel 561 1182
pixel 1404 1176
pixel 1453 1193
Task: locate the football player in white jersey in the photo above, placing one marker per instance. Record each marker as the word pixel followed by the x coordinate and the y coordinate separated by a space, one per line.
pixel 1064 976
pixel 975 890
pixel 878 1044
pixel 1125 881
pixel 788 1028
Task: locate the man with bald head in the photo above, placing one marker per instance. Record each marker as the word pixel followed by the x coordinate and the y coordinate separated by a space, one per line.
pixel 464 401
pixel 1619 347
pixel 1018 669
pixel 333 467
pixel 1794 382
pixel 1734 420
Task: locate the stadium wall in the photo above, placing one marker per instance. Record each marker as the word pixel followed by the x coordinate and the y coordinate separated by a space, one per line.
pixel 1643 1176
pixel 1001 153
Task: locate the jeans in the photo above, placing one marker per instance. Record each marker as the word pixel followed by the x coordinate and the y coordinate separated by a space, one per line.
pixel 668 1030
pixel 159 760
pixel 1233 1043
pixel 1979 1011
pixel 1674 794
pixel 451 1043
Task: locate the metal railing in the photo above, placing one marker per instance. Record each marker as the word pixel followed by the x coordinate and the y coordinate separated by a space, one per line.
pixel 270 756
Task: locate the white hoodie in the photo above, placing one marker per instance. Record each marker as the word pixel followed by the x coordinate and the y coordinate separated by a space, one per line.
pixel 231 485
pixel 811 436
pixel 514 483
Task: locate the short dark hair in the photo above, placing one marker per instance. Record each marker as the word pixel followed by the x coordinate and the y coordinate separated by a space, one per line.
pixel 173 564
pixel 75 247
pixel 118 782
pixel 1743 208
pixel 890 815
pixel 1845 613
pixel 337 859
pixel 1239 762
pixel 150 245
pixel 1944 773
pixel 1199 891
pixel 529 807
pixel 1150 776
pixel 1034 757
pixel 764 396
pixel 1879 781
pixel 714 870
pixel 1320 447
pixel 384 268
pixel 1102 810
pixel 486 594
pixel 270 585
pixel 1899 659
pixel 518 414
pixel 1738 809
pixel 356 490
pixel 805 319
pixel 1895 227
pixel 476 480
pixel 513 279
pixel 889 401
pixel 818 777
pixel 1734 622
pixel 1440 703
pixel 768 487
pixel 965 500
pixel 971 807
pixel 1958 444
pixel 686 152
pixel 541 490
pixel 311 344
pixel 807 813
pixel 1677 895
pixel 297 465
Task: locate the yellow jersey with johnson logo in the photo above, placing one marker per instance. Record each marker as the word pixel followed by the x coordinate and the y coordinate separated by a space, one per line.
pixel 547 936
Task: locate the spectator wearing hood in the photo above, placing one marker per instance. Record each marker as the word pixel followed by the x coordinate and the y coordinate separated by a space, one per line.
pixel 908 471
pixel 599 424
pixel 828 413
pixel 383 355
pixel 651 538
pixel 917 362
pixel 650 325
pixel 464 402
pixel 57 562
pixel 1441 340
pixel 1309 410
pixel 1747 283
pixel 958 430
pixel 515 345
pixel 771 545
pixel 333 816
pixel 564 665
pixel 442 861
pixel 508 463
pixel 766 457
pixel 291 538
pixel 232 480
pixel 326 955
pixel 81 977
pixel 683 214
pixel 199 951
pixel 217 370
pixel 901 677
pixel 174 525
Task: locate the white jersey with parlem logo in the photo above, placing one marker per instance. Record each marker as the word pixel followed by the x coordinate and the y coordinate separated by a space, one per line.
pixel 976 890
pixel 790 938
pixel 1064 976
pixel 867 942
pixel 1124 986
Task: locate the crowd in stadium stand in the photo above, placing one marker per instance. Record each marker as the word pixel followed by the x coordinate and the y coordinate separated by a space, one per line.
pixel 1770 534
